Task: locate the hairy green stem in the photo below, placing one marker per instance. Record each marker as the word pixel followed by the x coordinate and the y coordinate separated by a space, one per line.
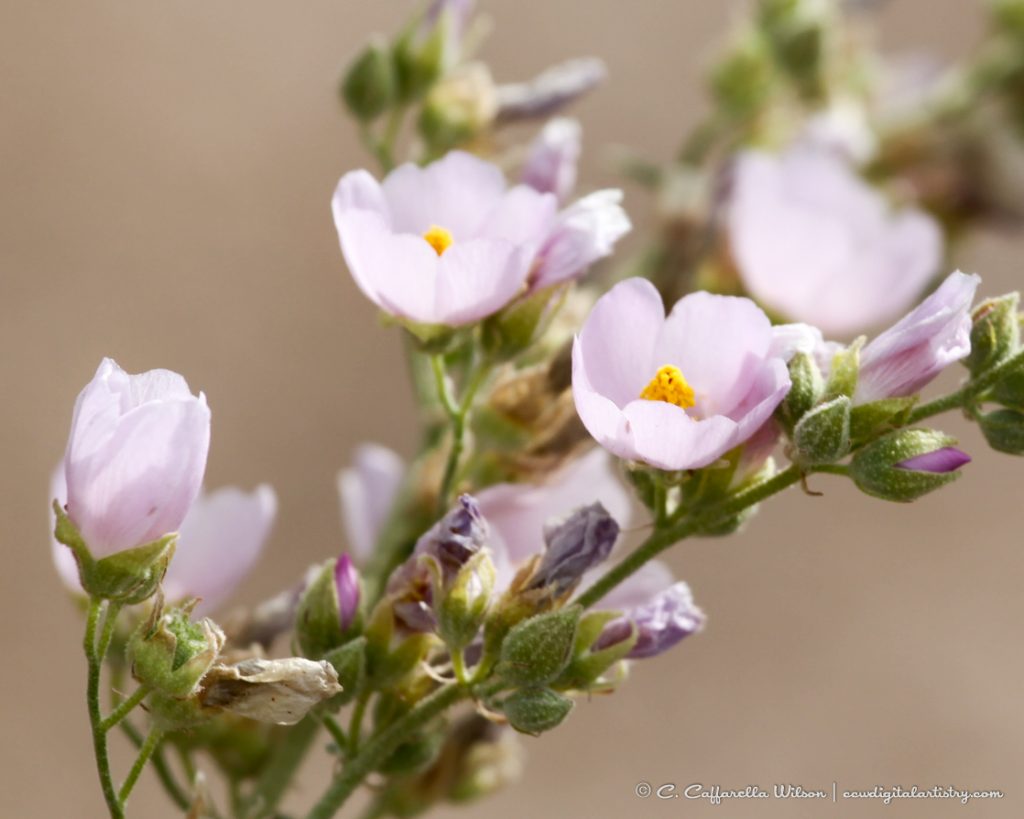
pixel 664 537
pixel 94 658
pixel 377 749
pixel 278 774
pixel 355 726
pixel 149 745
pixel 124 708
pixel 175 791
pixel 337 734
pixel 967 393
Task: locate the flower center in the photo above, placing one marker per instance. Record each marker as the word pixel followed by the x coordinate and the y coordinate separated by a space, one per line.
pixel 669 385
pixel 439 238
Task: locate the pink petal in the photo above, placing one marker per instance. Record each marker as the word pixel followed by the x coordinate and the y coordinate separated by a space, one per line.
pixel 666 437
pixel 478 278
pixel 367 491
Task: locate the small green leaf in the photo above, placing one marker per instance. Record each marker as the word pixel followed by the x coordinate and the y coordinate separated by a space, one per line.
pixel 537 650
pixel 536 710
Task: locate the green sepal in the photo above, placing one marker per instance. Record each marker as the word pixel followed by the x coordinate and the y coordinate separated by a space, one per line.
pixel 1004 430
pixel 176 714
pixel 807 388
pixel 512 330
pixel 389 670
pixel 414 754
pixel 874 468
pixel 537 650
pixel 1009 388
pixel 419 63
pixel 127 577
pixel 845 369
pixel 867 421
pixel 586 666
pixel 432 339
pixel 536 710
pixel 349 661
pixel 995 333
pixel 317 617
pixel 823 434
pixel 368 87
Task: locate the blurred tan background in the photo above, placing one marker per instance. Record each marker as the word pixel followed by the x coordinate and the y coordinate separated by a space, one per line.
pixel 166 169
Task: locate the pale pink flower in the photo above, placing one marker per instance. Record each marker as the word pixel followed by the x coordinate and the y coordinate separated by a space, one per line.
pixel 135 457
pixel 553 157
pixel 367 490
pixel 815 243
pixel 676 392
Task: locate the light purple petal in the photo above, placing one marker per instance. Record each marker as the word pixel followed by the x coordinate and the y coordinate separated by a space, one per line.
pixel 219 542
pixel 399 273
pixel 636 590
pixel 666 437
pixel 358 190
pixel 904 358
pixel 553 157
pixel 617 342
pixel 522 216
pixel 458 193
pixel 947 459
pixel 367 491
pixel 346 582
pixel 135 457
pixel 718 343
pixel 585 231
pixel 478 278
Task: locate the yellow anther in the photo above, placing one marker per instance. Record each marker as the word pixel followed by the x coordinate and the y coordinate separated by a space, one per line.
pixel 669 385
pixel 439 238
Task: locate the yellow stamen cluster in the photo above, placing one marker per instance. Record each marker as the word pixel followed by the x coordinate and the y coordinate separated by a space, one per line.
pixel 439 238
pixel 669 385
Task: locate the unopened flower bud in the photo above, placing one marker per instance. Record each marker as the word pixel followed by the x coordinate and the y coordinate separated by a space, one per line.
pixel 329 607
pixel 537 650
pixel 458 108
pixel 368 87
pixel 1004 430
pixel 659 624
pixel 550 91
pixel 574 546
pixel 171 654
pixel 906 464
pixel 995 333
pixel 536 710
pixel 823 435
pixel 808 386
pixel 464 605
pixel 277 691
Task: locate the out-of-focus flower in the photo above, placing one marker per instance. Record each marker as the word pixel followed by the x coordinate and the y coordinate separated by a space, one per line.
pixel 815 243
pixel 517 513
pixel 367 490
pixel 842 128
pixel 550 91
pixel 552 160
pixel 936 333
pixel 451 244
pixel 676 392
pixel 219 541
pixel 135 457
pixel 660 621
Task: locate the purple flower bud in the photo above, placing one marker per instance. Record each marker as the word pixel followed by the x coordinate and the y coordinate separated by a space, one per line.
pixel 455 538
pixel 946 459
pixel 550 91
pixel 575 545
pixel 660 623
pixel 919 346
pixel 135 457
pixel 346 580
pixel 551 164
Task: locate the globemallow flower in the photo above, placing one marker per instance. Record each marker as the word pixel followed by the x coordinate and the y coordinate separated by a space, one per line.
pixel 936 333
pixel 553 156
pixel 135 457
pixel 814 242
pixel 676 392
pixel 219 542
pixel 367 490
pixel 450 244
